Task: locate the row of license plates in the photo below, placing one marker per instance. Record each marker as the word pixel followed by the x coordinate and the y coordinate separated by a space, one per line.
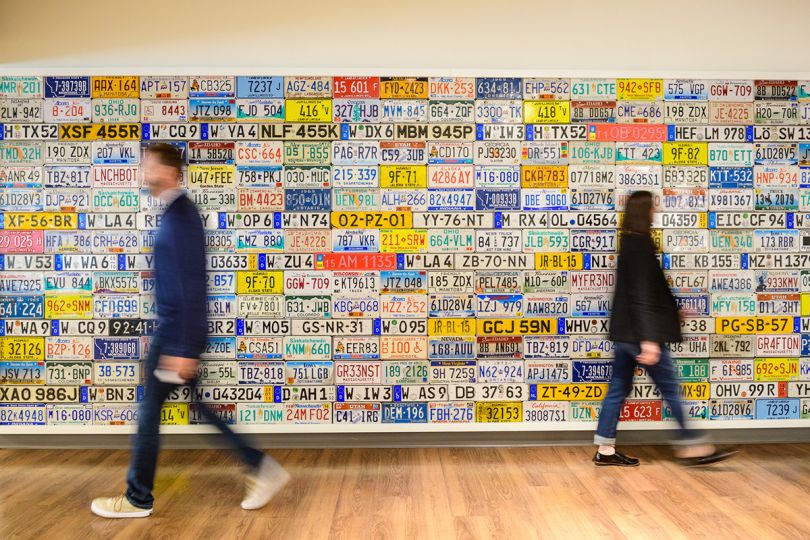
pixel 416 412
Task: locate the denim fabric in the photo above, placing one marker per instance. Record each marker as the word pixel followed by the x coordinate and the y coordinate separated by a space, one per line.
pixel 146 443
pixel 663 374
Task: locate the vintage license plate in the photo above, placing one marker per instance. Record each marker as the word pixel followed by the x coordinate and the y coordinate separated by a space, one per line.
pixel 544 370
pixel 453 111
pixel 452 176
pixel 686 112
pixel 686 177
pixel 636 112
pixel 776 112
pixel 499 411
pixel 260 110
pixel 67 110
pixel 164 110
pixel 346 306
pixel 452 371
pixel 402 305
pixel 593 111
pixel 731 199
pixel 591 346
pixel 21 110
pixel 547 304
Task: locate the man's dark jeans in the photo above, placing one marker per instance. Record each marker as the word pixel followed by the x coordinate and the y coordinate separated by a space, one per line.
pixel 146 443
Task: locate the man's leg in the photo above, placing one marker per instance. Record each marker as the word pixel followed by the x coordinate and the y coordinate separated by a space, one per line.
pixel 249 455
pixel 146 443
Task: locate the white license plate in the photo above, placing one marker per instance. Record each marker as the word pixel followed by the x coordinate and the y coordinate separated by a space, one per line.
pixel 355 240
pixel 685 199
pixel 307 87
pixel 686 177
pixel 408 306
pixel 731 346
pixel 403 347
pixel 500 111
pixel 450 176
pixel 777 175
pixel 358 372
pixel 546 304
pixel 356 110
pixel 590 304
pixel 21 110
pixel 731 90
pixel 639 153
pixel 68 241
pixel 778 304
pixel 489 392
pixel 403 152
pixel 731 113
pixel 537 352
pixel 776 112
pixel 593 89
pixel 355 176
pixel 779 346
pixel 500 371
pixel 546 411
pixel 776 154
pixel 731 199
pixel 593 240
pixel 115 414
pixel 686 112
pixel 546 88
pixel 450 281
pixel 685 241
pixel 591 176
pixel 591 153
pixel 355 152
pixel 776 240
pixel 451 111
pixel 494 241
pixel 591 347
pixel 404 110
pixel 499 305
pixel 68 110
pixel 545 240
pixel 451 305
pixel 115 110
pixel 164 110
pixel 415 200
pixel 451 240
pixel 638 176
pixel 634 112
pixel 497 152
pixel 310 372
pixel 405 372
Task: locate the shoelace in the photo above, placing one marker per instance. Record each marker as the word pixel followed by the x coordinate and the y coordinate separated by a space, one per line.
pixel 118 503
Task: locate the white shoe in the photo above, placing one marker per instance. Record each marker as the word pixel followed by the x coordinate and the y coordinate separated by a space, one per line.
pixel 117 507
pixel 264 483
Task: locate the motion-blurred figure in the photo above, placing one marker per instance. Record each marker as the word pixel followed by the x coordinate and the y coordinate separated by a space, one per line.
pixel 180 339
pixel 645 318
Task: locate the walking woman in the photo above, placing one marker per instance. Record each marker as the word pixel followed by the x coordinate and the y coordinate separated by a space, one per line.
pixel 645 318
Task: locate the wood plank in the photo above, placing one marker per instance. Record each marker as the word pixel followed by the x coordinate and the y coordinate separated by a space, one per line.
pixel 432 493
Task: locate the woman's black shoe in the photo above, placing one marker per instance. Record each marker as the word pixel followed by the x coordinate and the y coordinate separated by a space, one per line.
pixel 714 457
pixel 617 460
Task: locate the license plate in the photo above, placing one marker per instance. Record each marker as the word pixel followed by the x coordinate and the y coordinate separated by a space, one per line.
pixel 499 305
pixel 164 110
pixel 547 304
pixel 545 240
pixel 402 306
pixel 345 306
pixel 591 176
pixel 545 370
pixel 451 88
pixel 776 199
pixel 18 86
pixel 357 413
pixel 230 394
pixel 567 392
pixel 777 409
pixel 116 348
pixel 498 88
pixel 403 347
pixel 403 240
pixel 593 111
pixel 778 304
pixel 452 176
pixel 644 410
pixel 405 372
pixel 21 372
pixel 308 110
pixel 776 369
pixel 451 111
pixel 260 110
pixel 776 112
pixel 358 372
pixel 21 110
pixel 591 347
pixel 556 89
pixel 639 112
pixel 497 152
pixel 499 411
pixel 639 88
pixel 604 89
pixel 776 176
pixel 686 112
pixel 498 111
pixel 593 240
pixel 451 240
pixel 62 415
pixel 68 110
pixel 116 110
pixel 775 154
pixel 405 413
pixel 591 153
pixel 731 199
pixel 356 110
pixel 451 412
pixel 731 90
pixel 452 371
pixel 590 305
pixel 450 282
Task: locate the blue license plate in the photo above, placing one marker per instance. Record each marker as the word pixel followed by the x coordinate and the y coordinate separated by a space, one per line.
pixel 777 409
pixel 805 346
pixel 22 414
pixel 592 371
pixel 696 305
pixel 22 372
pixel 451 349
pixel 731 177
pixel 116 348
pixel 443 200
pixel 67 87
pixel 403 281
pixel 248 86
pixel 405 413
pixel 22 307
pixel 498 88
pixel 499 199
pixel 308 200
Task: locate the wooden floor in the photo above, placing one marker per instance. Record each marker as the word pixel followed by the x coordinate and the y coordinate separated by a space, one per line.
pixel 514 493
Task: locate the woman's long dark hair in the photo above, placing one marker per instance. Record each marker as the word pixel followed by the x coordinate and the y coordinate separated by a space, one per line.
pixel 637 213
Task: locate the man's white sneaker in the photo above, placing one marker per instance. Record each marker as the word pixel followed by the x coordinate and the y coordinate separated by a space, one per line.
pixel 262 485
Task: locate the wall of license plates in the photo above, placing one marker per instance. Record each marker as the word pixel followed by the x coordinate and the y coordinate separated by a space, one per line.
pixel 391 250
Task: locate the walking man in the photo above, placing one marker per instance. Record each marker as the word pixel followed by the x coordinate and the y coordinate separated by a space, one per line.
pixel 180 339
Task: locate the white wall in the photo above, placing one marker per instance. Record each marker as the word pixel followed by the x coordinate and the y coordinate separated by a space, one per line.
pixel 629 37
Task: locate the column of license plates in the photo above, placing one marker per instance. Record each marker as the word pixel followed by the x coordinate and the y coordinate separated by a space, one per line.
pixel 404 250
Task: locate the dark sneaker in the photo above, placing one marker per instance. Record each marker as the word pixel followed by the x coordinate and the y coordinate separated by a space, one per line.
pixel 715 457
pixel 617 460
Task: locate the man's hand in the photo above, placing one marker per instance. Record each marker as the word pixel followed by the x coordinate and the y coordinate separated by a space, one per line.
pixel 185 367
pixel 650 353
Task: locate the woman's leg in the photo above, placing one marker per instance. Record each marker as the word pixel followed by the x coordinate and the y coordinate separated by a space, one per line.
pixel 621 383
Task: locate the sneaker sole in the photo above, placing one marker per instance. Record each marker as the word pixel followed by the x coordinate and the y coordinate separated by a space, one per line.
pixel 119 515
pixel 278 482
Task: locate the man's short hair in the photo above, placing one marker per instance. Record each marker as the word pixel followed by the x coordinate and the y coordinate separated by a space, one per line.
pixel 167 155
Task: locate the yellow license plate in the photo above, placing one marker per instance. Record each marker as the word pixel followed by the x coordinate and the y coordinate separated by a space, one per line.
pixel 546 112
pixel 695 390
pixel 22 348
pixel 260 282
pixel 776 369
pixel 686 153
pixel 308 110
pixel 451 327
pixel 558 261
pixel 372 220
pixel 753 325
pixel 174 414
pixel 805 304
pixel 403 176
pixel 69 306
pixel 120 86
pixel 403 88
pixel 639 89
pixel 211 175
pixel 40 220
pixel 403 240
pixel 512 327
pixel 569 392
pixel 544 176
pixel 499 411
pixel 92 132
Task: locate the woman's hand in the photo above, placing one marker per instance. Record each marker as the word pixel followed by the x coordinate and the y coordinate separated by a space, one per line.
pixel 650 353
